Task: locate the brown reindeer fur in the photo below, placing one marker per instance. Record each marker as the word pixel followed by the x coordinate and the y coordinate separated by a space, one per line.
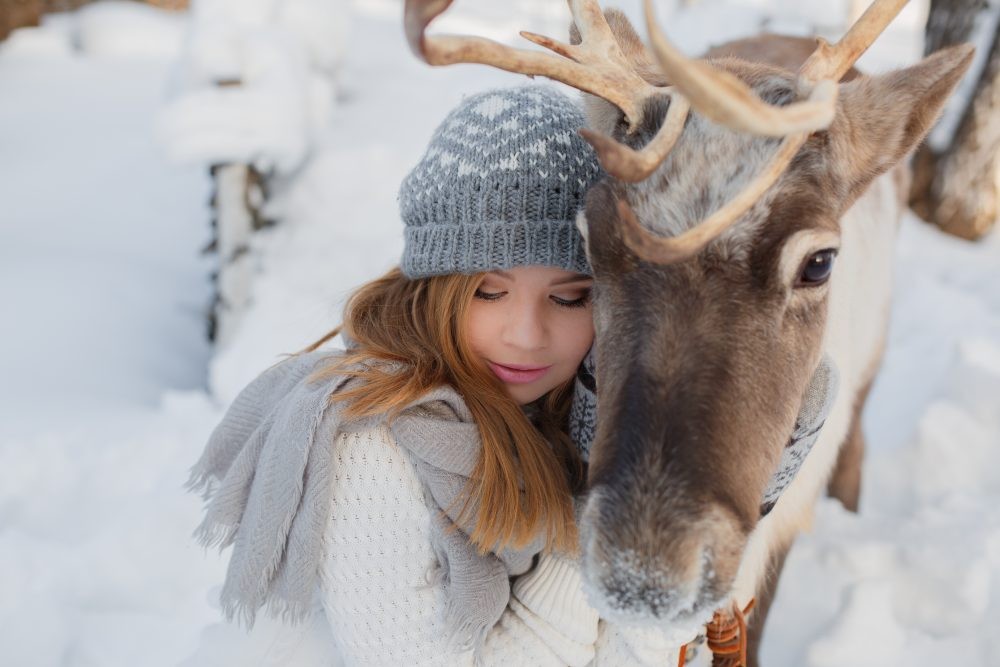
pixel 845 482
pixel 764 599
pixel 781 51
pixel 845 486
pixel 702 364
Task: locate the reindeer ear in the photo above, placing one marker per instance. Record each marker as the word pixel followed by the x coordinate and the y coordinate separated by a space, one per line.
pixel 880 119
pixel 603 116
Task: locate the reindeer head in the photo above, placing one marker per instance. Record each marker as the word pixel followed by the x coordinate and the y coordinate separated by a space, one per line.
pixel 702 362
pixel 713 247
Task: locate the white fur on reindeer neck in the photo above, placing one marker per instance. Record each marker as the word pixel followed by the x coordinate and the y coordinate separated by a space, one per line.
pixel 816 404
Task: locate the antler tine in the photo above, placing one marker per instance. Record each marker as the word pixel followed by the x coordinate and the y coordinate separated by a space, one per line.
pixel 667 250
pixel 723 98
pixel 630 165
pixel 596 66
pixel 827 64
pixel 832 62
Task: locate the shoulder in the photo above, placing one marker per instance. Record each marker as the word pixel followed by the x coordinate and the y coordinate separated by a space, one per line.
pixel 378 529
pixel 281 383
pixel 370 467
pixel 372 438
pixel 297 367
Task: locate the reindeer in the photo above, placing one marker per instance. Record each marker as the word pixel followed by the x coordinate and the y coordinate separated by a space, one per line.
pixel 734 182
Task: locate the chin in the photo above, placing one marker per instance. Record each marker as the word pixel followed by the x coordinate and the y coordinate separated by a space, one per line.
pixel 523 395
pixel 522 401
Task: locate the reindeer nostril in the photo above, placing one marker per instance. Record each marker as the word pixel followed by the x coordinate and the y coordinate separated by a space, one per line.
pixel 638 572
pixel 634 585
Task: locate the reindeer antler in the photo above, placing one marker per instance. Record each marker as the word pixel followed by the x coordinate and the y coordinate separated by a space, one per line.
pixel 721 97
pixel 727 100
pixel 596 65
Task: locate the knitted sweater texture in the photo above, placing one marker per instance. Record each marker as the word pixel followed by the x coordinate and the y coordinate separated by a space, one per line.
pixel 374 606
pixel 381 611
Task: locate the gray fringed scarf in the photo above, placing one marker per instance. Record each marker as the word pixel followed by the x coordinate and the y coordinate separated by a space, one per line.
pixel 265 473
pixel 268 488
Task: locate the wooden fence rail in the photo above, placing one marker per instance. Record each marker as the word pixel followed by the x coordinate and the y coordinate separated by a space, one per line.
pixel 22 13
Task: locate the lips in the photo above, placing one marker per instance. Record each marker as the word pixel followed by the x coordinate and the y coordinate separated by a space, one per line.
pixel 518 373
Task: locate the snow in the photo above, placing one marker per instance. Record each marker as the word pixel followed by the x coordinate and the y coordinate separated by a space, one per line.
pixel 129 29
pixel 284 56
pixel 99 268
pixel 110 389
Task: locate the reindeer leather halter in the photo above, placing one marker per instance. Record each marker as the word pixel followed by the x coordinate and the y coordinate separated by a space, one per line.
pixel 726 637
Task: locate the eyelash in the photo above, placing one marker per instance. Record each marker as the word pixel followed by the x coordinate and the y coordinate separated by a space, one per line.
pixel 575 303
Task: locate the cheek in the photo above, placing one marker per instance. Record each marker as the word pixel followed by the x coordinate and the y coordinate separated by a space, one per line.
pixel 482 326
pixel 575 336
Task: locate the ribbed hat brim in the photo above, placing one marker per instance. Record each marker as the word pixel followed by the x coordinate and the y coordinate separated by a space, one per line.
pixel 431 250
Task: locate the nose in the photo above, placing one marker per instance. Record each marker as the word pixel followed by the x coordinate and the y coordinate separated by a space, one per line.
pixel 525 327
pixel 638 571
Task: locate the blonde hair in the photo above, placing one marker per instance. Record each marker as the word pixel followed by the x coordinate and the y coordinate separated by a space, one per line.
pixel 527 471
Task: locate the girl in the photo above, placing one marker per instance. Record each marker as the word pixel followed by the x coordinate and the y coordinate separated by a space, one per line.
pixel 396 489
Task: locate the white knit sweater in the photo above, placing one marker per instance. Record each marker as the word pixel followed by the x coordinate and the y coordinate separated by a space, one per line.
pixel 376 607
pixel 381 611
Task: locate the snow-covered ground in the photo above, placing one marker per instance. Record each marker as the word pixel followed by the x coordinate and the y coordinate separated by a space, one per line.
pixel 110 390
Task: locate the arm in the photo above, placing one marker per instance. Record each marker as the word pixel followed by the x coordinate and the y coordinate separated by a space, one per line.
pixel 547 611
pixel 375 594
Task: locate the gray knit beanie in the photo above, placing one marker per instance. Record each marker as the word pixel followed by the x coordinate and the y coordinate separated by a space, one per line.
pixel 499 186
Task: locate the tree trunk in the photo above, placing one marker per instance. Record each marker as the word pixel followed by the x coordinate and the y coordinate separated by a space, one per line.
pixel 957 178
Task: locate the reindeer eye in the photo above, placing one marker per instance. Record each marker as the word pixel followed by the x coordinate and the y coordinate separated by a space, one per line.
pixel 817 268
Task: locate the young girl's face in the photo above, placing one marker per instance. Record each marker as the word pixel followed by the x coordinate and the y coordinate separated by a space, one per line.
pixel 532 326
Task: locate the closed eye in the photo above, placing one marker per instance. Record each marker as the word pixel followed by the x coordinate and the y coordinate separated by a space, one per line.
pixel 579 302
pixel 488 296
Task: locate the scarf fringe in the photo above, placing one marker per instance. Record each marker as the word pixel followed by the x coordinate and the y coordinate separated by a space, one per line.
pixel 461 633
pixel 211 533
pixel 201 481
pixel 271 568
pixel 244 613
pixel 464 634
pixel 435 576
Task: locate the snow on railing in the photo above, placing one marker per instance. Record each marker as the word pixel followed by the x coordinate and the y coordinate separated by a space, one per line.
pixel 254 89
